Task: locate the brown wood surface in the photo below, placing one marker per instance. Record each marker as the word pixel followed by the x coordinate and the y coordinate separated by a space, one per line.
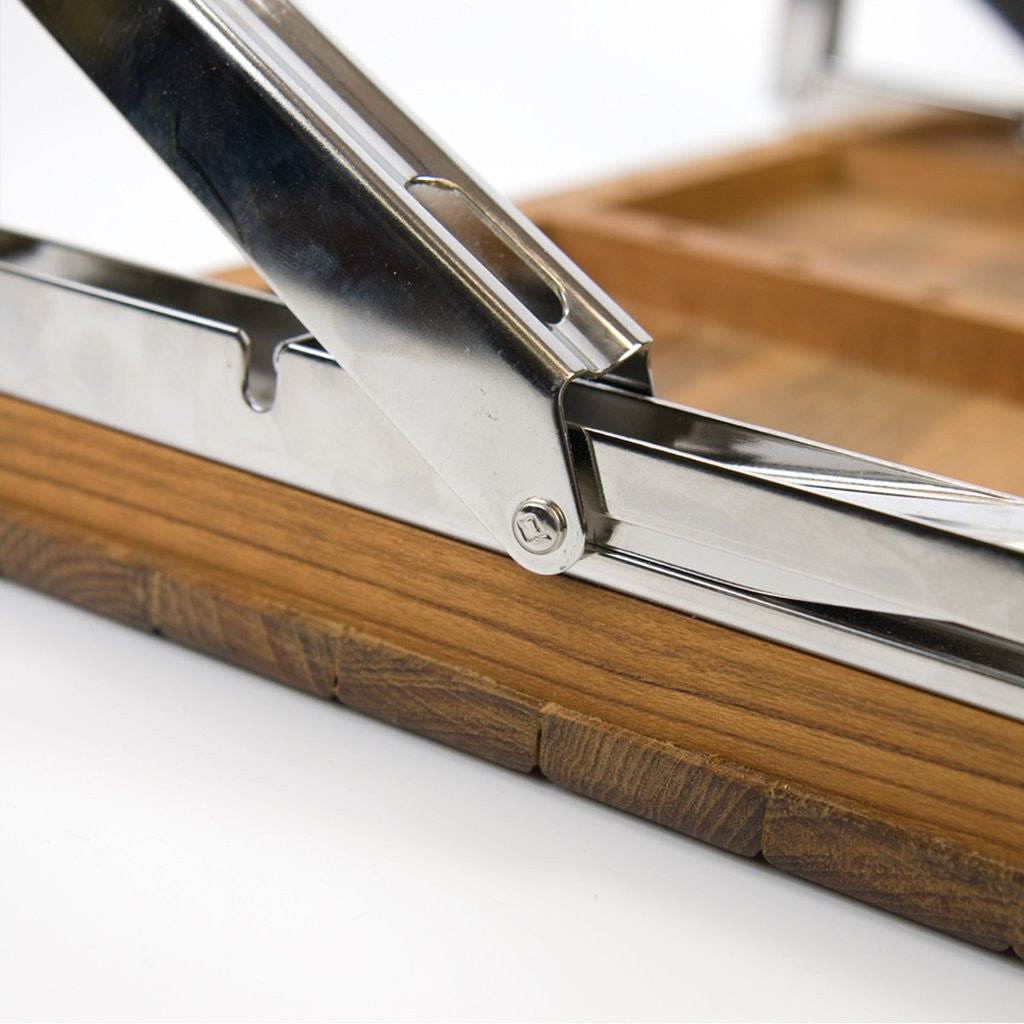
pixel 898 797
pixel 897 244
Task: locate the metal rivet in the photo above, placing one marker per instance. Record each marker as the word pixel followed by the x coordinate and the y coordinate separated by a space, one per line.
pixel 539 526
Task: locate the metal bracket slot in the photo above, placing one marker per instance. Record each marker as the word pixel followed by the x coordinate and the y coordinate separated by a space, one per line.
pixel 906 574
pixel 307 166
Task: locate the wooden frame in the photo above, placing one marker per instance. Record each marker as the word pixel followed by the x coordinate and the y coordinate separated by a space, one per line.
pixel 896 243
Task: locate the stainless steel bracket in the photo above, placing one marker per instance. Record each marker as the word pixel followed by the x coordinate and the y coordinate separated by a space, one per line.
pixel 446 306
pixel 902 573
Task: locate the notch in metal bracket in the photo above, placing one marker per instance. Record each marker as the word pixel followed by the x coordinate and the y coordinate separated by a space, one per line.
pixel 454 314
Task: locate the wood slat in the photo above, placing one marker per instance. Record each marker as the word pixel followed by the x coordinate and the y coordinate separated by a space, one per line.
pixel 697 794
pixel 908 872
pixel 898 797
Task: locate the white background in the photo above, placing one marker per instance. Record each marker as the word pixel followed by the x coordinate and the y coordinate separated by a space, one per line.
pixel 180 840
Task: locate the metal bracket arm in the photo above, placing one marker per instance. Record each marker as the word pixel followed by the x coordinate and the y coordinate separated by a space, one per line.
pixel 896 571
pixel 454 315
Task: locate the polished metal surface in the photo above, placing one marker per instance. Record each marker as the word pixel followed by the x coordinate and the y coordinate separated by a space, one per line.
pixel 899 572
pixel 448 308
pixel 166 358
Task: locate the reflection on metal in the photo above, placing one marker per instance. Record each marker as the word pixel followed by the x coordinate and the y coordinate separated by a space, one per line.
pixel 446 306
pixel 907 574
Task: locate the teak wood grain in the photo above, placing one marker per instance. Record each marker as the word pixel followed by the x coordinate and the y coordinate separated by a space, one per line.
pixel 786 287
pixel 903 799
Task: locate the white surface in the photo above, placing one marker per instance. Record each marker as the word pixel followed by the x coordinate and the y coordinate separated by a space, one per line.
pixel 179 840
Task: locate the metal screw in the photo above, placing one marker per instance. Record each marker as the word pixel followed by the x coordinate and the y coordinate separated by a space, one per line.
pixel 539 526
